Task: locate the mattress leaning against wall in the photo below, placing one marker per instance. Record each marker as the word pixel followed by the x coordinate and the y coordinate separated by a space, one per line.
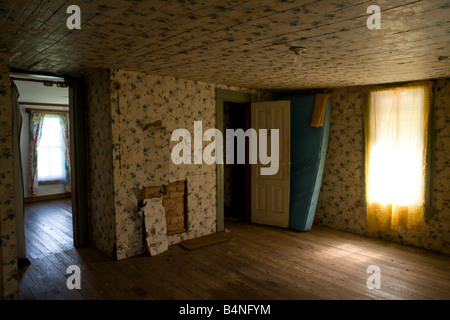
pixel 308 152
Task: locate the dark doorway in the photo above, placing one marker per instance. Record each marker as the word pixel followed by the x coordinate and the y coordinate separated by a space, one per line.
pixel 237 176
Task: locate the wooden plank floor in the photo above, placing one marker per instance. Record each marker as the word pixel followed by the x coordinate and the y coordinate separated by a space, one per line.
pixel 48 227
pixel 257 263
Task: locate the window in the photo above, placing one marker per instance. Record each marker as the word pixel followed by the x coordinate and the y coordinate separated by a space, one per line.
pixel 49 157
pixel 50 150
pixel 396 127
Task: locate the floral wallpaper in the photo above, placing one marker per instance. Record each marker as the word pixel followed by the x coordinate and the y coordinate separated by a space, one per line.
pixel 341 201
pixel 101 192
pixel 8 250
pixel 233 42
pixel 141 154
pixel 143 158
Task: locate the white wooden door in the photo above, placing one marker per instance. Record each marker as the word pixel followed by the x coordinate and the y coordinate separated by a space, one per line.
pixel 270 193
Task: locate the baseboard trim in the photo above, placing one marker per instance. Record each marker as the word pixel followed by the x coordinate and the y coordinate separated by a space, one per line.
pixel 47 197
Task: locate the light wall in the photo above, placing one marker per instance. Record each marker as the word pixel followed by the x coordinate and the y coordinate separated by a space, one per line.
pixel 37 92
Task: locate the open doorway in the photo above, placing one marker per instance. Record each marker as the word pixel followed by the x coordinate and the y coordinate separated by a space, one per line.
pixel 223 97
pixel 45 155
pixel 237 177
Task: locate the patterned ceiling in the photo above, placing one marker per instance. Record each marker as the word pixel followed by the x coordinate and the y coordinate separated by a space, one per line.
pixel 232 42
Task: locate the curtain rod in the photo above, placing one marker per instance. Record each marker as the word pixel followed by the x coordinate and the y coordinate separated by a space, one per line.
pixel 391 86
pixel 30 110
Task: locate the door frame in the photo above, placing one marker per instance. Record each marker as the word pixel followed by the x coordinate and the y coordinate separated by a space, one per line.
pixel 222 96
pixel 79 161
pixel 78 154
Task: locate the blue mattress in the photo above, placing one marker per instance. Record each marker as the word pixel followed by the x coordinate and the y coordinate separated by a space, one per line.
pixel 308 152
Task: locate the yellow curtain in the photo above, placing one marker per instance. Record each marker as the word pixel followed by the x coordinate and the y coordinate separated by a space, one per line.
pixel 320 108
pixel 395 125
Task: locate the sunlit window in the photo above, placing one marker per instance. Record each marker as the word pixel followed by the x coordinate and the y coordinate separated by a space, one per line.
pixel 396 123
pixel 51 150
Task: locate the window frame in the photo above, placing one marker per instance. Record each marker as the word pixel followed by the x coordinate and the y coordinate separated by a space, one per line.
pixel 51 181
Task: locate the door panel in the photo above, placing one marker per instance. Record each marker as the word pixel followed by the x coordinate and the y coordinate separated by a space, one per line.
pixel 270 193
pixel 261 197
pixel 277 199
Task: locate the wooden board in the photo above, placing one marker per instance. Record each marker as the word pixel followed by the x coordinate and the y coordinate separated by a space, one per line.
pixel 205 241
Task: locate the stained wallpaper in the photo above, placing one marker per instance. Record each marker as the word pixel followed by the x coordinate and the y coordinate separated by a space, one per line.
pixel 8 250
pixel 142 154
pixel 341 202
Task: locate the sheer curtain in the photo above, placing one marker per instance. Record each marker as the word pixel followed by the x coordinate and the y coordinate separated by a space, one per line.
pixel 395 125
pixel 36 122
pixel 51 150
